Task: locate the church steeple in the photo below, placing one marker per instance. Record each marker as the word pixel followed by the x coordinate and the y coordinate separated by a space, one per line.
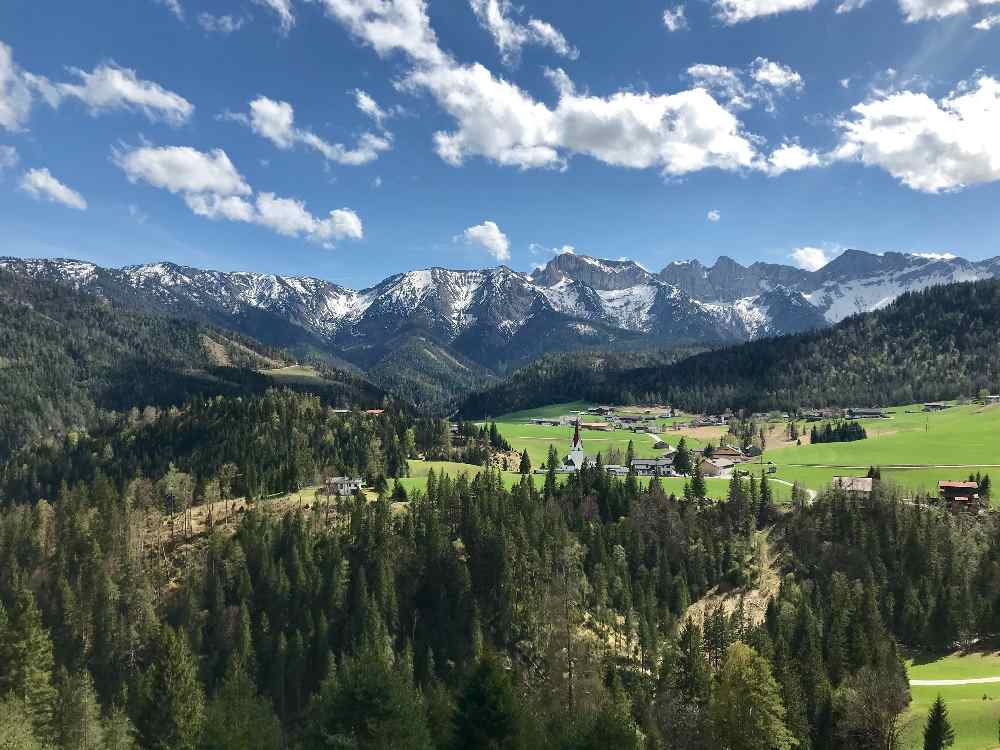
pixel 577 443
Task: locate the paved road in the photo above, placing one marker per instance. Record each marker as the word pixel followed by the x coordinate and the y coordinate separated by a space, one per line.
pixel 947 683
pixel 897 466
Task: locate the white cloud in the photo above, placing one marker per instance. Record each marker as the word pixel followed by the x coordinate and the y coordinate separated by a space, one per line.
pixel 40 184
pixel 221 24
pixel 212 187
pixel 923 10
pixel 775 75
pixel 714 215
pixel 110 87
pixel 377 182
pixel 284 10
pixel 275 120
pixel 16 94
pixel 987 23
pixel 510 36
pixel 182 169
pixel 8 158
pixel 738 11
pixel 677 133
pixel 174 6
pixel 848 6
pixel 845 83
pixel 674 18
pixel 763 82
pixel 367 105
pixel 931 146
pixel 537 249
pixel 489 236
pixel 791 157
pixel 810 258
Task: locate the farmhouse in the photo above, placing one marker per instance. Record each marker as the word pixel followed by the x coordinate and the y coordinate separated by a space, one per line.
pixel 964 494
pixel 716 467
pixel 616 470
pixel 866 414
pixel 935 406
pixel 855 486
pixel 343 486
pixel 648 467
pixel 598 426
pixel 726 451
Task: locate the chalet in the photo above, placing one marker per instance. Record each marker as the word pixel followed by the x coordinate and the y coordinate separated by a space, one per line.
pixel 602 411
pixel 935 406
pixel 648 467
pixel 716 467
pixel 616 470
pixel 866 414
pixel 547 421
pixel 856 486
pixel 598 426
pixel 663 445
pixel 343 486
pixel 960 494
pixel 374 412
pixel 728 452
pixel 772 468
pixel 993 399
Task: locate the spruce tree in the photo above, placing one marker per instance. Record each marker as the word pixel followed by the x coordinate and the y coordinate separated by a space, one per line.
pixel 485 717
pixel 938 733
pixel 238 718
pixel 525 467
pixel 747 711
pixel 175 702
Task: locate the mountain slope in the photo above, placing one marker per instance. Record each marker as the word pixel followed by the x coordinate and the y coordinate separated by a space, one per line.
pixel 939 343
pixel 66 355
pixel 496 319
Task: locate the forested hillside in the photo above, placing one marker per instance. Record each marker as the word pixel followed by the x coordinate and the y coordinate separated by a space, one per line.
pixel 472 616
pixel 65 356
pixel 940 343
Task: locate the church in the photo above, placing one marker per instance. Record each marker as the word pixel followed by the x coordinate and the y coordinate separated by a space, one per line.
pixel 576 459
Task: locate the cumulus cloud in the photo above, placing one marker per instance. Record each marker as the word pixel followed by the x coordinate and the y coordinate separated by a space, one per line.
pixel 182 169
pixel 511 36
pixel 488 236
pixel 987 23
pixel 732 12
pixel 791 157
pixel 212 187
pixel 16 94
pixel 714 215
pixel 674 18
pixel 810 258
pixel 283 9
pixel 221 24
pixel 929 145
pixel 740 89
pixel 367 105
pixel 275 121
pixel 848 6
pixel 497 120
pixel 41 185
pixel 108 87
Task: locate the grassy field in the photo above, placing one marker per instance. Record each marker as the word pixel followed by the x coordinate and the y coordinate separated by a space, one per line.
pixel 960 435
pixel 974 710
pixel 294 373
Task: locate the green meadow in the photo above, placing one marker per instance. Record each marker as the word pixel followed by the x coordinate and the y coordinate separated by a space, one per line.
pixel 913 448
pixel 974 710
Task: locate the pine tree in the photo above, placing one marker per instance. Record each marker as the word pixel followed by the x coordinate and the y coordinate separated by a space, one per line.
pixel 938 733
pixel 26 666
pixel 78 715
pixel 747 711
pixel 485 716
pixel 525 467
pixel 238 718
pixel 698 488
pixel 175 702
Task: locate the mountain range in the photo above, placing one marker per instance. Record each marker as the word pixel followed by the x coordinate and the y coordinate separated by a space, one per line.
pixel 432 333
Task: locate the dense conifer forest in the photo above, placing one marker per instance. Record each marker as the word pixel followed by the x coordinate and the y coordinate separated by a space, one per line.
pixel 469 615
pixel 66 356
pixel 940 343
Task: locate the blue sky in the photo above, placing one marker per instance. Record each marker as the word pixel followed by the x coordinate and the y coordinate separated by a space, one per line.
pixel 465 133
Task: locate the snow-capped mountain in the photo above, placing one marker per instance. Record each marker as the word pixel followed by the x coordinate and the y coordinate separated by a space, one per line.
pixel 484 321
